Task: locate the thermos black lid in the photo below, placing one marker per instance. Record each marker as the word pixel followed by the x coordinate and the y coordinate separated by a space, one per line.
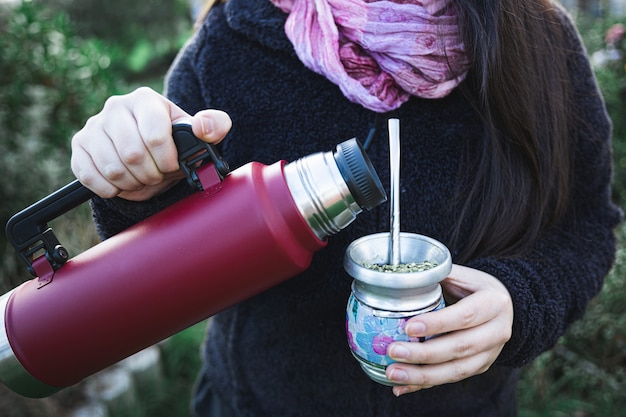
pixel 359 174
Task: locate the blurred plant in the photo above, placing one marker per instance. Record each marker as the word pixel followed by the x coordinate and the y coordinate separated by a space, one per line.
pixel 121 21
pixel 147 33
pixel 53 77
pixel 49 75
pixel 51 81
pixel 605 38
pixel 181 363
pixel 585 374
pixel 612 79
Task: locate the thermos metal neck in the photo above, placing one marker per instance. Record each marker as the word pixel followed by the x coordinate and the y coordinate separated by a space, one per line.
pixel 321 194
pixel 331 189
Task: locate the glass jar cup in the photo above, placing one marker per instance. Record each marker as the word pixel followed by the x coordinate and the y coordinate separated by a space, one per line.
pixel 381 302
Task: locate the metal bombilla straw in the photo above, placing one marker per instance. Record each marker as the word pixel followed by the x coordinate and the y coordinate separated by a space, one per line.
pixel 394 212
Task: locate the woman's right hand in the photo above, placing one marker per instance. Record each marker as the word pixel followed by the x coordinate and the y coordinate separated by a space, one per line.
pixel 127 149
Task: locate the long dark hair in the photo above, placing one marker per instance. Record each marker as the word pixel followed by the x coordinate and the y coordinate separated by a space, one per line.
pixel 519 85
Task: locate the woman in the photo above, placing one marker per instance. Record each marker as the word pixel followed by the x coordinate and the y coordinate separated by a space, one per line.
pixel 505 159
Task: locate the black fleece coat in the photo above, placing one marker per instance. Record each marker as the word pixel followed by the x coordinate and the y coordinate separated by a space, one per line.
pixel 284 352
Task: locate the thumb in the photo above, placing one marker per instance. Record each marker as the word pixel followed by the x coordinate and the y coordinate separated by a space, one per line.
pixel 211 125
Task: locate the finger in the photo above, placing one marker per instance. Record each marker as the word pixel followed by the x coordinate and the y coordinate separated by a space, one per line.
pixel 150 191
pixel 86 172
pixel 111 141
pixel 154 116
pixel 448 372
pixel 119 154
pixel 467 313
pixel 123 158
pixel 488 299
pixel 97 159
pixel 456 345
pixel 142 135
pixel 405 389
pixel 211 125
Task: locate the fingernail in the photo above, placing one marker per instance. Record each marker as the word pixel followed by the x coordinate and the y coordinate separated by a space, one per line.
pixel 398 352
pixel 415 329
pixel 207 126
pixel 398 375
pixel 398 391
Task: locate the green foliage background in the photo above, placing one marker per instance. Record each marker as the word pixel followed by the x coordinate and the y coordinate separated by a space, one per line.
pixel 61 59
pixel 51 81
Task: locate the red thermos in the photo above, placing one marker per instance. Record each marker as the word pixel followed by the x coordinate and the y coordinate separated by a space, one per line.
pixel 240 233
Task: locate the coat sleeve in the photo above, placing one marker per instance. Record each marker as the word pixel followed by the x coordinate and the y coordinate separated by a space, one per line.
pixel 553 283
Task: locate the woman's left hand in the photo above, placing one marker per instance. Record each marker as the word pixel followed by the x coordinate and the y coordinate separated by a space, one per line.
pixel 473 332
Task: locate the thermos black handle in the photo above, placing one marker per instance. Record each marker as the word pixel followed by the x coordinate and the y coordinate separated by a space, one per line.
pixel 28 230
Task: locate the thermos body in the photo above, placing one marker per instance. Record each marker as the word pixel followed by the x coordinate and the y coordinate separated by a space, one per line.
pixel 178 267
pixel 183 273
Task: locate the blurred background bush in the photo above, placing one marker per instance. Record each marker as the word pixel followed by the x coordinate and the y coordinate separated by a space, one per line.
pixel 61 59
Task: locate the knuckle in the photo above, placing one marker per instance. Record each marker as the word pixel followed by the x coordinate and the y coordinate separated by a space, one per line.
pixel 91 125
pixel 422 356
pixel 506 335
pixel 132 156
pixel 502 300
pixel 152 178
pixel 468 315
pixel 423 379
pixel 77 138
pixel 113 102
pixel 154 140
pixel 436 324
pixel 143 91
pixel 109 192
pixel 76 142
pixel 463 349
pixel 113 172
pixel 483 369
pixel 89 181
pixel 459 373
pixel 84 177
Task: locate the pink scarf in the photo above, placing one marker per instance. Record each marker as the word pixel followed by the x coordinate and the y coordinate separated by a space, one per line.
pixel 379 52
